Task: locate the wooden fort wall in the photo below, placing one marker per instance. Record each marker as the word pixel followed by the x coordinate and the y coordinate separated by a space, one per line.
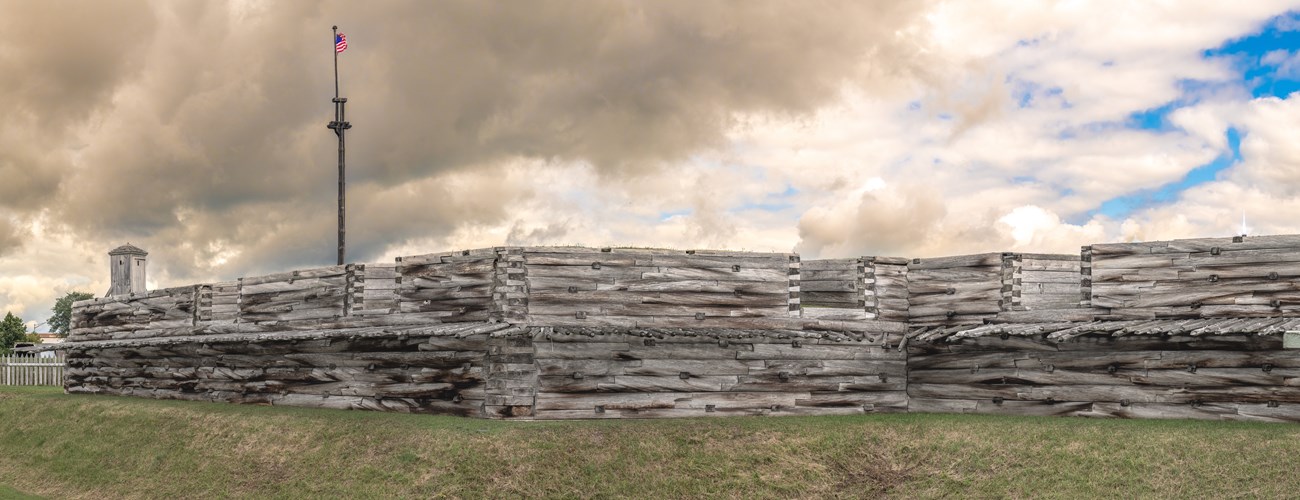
pixel 590 373
pixel 420 370
pixel 1199 278
pixel 570 332
pixel 1234 376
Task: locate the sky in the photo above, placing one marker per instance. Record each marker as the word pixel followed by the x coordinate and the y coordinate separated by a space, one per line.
pixel 196 130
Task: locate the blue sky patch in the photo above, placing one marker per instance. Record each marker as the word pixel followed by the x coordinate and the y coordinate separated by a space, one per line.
pixel 1247 54
pixel 1120 207
pixel 1264 75
pixel 774 202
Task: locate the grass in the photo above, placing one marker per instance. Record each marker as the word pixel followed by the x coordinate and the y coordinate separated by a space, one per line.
pixel 75 446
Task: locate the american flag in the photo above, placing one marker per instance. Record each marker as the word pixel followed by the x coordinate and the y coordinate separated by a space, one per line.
pixel 340 43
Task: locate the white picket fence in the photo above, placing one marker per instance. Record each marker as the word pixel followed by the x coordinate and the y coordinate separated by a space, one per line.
pixel 31 370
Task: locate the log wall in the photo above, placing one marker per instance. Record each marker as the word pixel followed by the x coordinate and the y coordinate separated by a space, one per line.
pixel 306 295
pixel 585 374
pixel 854 289
pixel 136 315
pixel 1046 282
pixel 568 332
pixel 1238 377
pixel 955 290
pixel 412 371
pixel 834 289
pixel 540 285
pixel 630 288
pixel 447 287
pixel 887 295
pixel 1208 277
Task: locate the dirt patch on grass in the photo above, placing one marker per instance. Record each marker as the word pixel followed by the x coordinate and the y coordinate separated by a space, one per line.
pixel 872 472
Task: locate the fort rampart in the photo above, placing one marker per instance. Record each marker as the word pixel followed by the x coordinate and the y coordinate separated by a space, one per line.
pixel 1188 328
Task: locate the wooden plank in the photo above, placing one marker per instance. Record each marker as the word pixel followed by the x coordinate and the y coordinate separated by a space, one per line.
pixel 877 401
pixel 303 274
pixel 779 351
pixel 828 286
pixel 692 368
pixel 585 367
pixel 1049 277
pixel 849 273
pixel 961 274
pixel 608 401
pixel 719 261
pixel 585 350
pixel 752 274
pixel 635 383
pixel 975 260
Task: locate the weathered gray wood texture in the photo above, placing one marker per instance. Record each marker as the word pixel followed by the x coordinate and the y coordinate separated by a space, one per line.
pixel 656 288
pixel 447 287
pixel 954 290
pixel 1044 282
pixel 1190 328
pixel 640 375
pixel 403 373
pixel 549 286
pixel 887 295
pixel 1235 376
pixel 862 288
pixel 834 288
pixel 1208 277
pixel 630 288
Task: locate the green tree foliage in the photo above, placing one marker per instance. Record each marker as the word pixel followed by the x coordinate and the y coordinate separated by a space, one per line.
pixel 12 330
pixel 61 322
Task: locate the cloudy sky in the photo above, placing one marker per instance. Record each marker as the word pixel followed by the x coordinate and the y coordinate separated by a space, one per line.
pixel 196 130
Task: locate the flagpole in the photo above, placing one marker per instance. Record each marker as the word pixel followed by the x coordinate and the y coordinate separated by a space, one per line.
pixel 335 39
pixel 339 125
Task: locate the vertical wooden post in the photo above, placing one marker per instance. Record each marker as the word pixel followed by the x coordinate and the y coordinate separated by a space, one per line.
pixel 867 280
pixel 796 309
pixel 1012 281
pixel 1085 276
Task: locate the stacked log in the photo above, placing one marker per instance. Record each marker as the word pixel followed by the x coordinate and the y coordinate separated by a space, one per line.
pixel 1208 277
pixel 1046 282
pixel 153 313
pixel 296 296
pixel 629 288
pixel 1234 376
pixel 834 289
pixel 510 287
pixel 374 290
pixel 613 333
pixel 645 374
pixel 219 303
pixel 886 294
pixel 512 377
pixel 448 287
pixel 409 371
pixel 954 290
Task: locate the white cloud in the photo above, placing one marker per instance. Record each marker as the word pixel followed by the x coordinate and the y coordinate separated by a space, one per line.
pixel 993 126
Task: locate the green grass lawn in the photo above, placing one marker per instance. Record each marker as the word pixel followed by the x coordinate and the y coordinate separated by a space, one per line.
pixel 61 446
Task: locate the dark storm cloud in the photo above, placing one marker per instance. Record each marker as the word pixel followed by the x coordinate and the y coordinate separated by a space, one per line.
pixel 11 237
pixel 199 126
pixel 61 61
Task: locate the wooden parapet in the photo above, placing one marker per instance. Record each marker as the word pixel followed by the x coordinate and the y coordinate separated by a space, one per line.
pixel 1197 278
pixel 954 290
pixel 636 287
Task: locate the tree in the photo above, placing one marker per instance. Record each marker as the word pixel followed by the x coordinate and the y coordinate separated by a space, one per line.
pixel 61 322
pixel 12 330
